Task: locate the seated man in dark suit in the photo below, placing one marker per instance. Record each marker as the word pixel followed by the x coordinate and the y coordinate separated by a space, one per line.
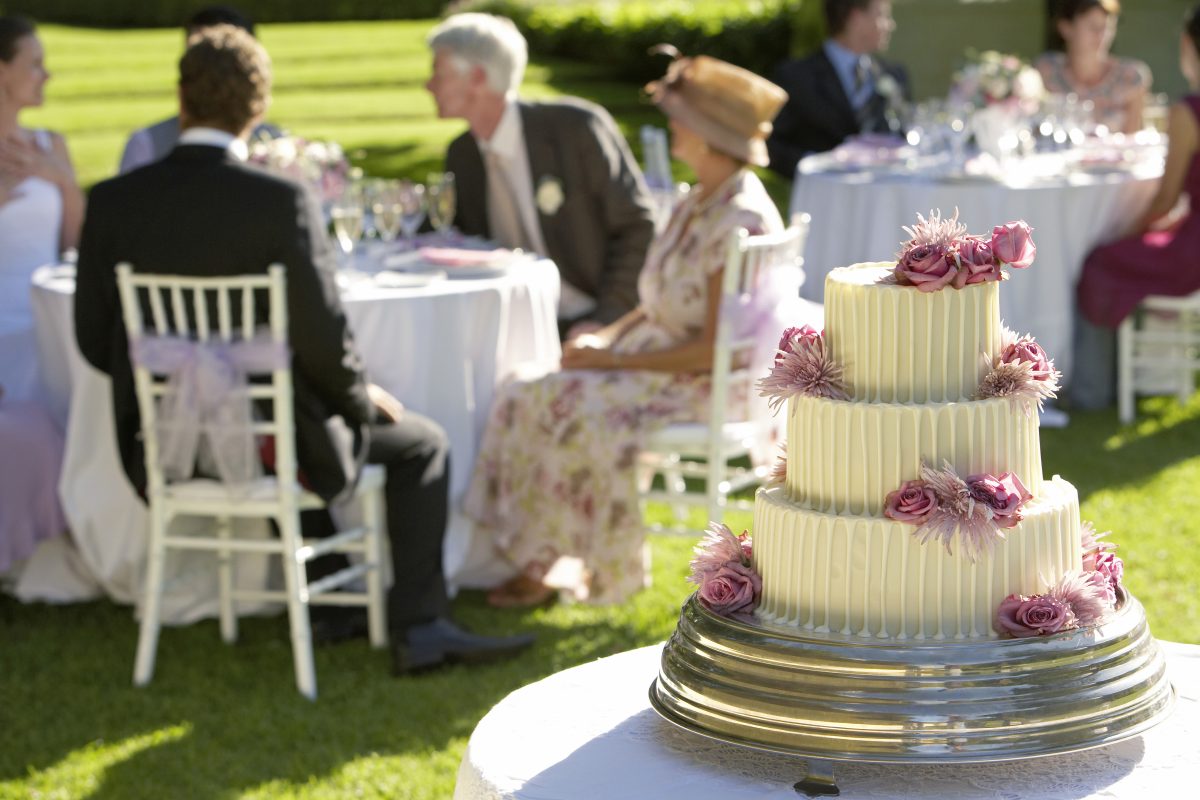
pixel 149 144
pixel 842 89
pixel 554 178
pixel 202 211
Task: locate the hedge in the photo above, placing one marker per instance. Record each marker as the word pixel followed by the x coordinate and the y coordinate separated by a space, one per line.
pixel 171 13
pixel 755 34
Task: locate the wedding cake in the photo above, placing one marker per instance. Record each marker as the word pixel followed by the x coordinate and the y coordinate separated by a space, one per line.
pixel 909 546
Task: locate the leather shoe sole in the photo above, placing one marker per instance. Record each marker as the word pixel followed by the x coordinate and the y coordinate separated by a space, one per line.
pixel 410 660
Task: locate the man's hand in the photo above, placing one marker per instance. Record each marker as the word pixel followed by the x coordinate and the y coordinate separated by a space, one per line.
pixel 388 407
pixel 582 327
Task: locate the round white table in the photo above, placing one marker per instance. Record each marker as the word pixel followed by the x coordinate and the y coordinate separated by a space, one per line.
pixel 588 733
pixel 858 215
pixel 441 348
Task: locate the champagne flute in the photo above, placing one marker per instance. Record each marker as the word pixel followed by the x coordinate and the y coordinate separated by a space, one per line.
pixel 386 208
pixel 347 213
pixel 440 197
pixel 411 200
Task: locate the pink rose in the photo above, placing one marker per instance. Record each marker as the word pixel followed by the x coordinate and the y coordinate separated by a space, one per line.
pixel 1013 244
pixel 976 262
pixel 926 266
pixel 795 338
pixel 913 502
pixel 1040 615
pixel 1003 495
pixel 732 589
pixel 719 547
pixel 1026 349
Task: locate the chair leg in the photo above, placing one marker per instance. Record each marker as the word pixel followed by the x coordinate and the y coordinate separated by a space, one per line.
pixel 373 519
pixel 147 646
pixel 674 484
pixel 296 585
pixel 225 563
pixel 1125 370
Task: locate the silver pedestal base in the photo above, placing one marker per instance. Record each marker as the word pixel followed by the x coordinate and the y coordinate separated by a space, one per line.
pixel 844 698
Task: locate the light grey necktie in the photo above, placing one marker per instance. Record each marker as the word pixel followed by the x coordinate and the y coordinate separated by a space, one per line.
pixel 504 216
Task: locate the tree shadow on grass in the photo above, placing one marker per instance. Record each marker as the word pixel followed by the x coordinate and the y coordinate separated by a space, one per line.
pixel 217 719
pixel 1096 452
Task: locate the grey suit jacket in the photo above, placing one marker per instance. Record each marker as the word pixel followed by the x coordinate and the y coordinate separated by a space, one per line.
pixel 599 235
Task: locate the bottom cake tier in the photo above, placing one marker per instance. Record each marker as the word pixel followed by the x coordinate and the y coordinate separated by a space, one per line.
pixel 870 577
pixel 830 696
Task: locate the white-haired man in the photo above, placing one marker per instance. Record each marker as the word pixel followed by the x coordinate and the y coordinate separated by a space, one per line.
pixel 555 178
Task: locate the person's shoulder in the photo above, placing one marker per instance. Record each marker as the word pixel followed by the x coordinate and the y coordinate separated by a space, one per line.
pixel 795 68
pixel 566 110
pixel 1133 72
pixel 1050 60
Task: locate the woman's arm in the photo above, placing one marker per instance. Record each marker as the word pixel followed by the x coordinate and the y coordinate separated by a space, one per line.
pixel 1183 136
pixel 72 195
pixel 693 355
pixel 1135 112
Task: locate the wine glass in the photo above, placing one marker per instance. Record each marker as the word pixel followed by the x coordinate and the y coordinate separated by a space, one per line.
pixel 440 198
pixel 387 209
pixel 410 199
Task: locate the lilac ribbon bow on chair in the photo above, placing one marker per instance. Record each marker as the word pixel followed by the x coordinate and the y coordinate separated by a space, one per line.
pixel 206 413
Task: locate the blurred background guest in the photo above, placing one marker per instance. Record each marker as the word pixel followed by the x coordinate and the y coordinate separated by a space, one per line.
pixel 555 481
pixel 842 89
pixel 554 178
pixel 41 204
pixel 1082 31
pixel 147 145
pixel 1157 254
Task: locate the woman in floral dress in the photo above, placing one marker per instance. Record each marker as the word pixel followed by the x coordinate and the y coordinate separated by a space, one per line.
pixel 555 484
pixel 1116 87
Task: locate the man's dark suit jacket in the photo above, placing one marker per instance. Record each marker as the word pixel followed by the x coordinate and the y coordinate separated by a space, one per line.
pixel 599 236
pixel 818 115
pixel 201 212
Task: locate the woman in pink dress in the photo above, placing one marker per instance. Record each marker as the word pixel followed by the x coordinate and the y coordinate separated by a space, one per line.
pixel 1116 87
pixel 1158 252
pixel 555 483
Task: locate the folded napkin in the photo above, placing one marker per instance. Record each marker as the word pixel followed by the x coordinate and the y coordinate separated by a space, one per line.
pixel 459 257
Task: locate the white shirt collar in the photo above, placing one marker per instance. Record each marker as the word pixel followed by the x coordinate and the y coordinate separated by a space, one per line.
pixel 509 136
pixel 216 138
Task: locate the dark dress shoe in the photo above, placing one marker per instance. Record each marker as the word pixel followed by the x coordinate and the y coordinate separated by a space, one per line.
pixel 333 624
pixel 441 642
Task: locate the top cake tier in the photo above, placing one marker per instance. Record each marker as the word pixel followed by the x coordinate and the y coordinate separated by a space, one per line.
pixel 901 345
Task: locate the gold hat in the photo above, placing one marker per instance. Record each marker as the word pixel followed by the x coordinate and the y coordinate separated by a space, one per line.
pixel 729 107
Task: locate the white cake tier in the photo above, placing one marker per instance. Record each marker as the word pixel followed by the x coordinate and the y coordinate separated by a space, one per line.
pixel 901 345
pixel 871 577
pixel 845 457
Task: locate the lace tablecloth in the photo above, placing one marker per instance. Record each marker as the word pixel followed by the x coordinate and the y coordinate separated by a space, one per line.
pixel 589 733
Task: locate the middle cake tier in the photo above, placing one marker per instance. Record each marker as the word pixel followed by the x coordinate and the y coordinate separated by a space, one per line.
pixel 845 457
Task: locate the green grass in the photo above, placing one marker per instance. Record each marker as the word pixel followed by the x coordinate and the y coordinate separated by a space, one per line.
pixel 223 722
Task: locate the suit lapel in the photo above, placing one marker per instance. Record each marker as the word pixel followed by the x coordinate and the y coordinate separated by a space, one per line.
pixel 543 155
pixel 830 85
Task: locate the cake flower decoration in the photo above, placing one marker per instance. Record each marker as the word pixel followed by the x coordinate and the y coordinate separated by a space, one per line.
pixel 1021 372
pixel 803 367
pixel 944 506
pixel 727 583
pixel 1079 599
pixel 940 253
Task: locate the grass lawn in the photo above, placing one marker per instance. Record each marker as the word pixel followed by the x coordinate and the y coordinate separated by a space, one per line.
pixel 222 722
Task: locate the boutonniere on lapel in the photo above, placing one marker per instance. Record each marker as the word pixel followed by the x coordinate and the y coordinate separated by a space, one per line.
pixel 549 195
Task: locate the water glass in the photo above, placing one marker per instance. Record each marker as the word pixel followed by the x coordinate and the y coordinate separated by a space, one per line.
pixel 411 200
pixel 440 198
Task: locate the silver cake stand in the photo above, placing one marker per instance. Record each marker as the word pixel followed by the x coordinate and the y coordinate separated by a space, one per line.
pixel 834 697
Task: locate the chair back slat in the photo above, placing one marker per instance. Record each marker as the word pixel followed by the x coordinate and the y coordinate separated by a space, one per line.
pixel 209 297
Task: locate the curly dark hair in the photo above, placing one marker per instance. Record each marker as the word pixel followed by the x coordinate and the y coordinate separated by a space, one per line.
pixel 224 78
pixel 1067 10
pixel 1191 25
pixel 12 30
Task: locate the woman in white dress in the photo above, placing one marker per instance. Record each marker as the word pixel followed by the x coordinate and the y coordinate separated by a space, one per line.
pixel 41 211
pixel 41 204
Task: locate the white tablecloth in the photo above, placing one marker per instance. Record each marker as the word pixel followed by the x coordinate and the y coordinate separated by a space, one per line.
pixel 859 216
pixel 441 349
pixel 589 733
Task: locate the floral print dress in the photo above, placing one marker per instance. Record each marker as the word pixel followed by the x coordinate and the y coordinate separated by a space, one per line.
pixel 1125 81
pixel 555 483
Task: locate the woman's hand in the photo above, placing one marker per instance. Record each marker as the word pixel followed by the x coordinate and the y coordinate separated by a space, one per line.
pixel 588 352
pixel 21 159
